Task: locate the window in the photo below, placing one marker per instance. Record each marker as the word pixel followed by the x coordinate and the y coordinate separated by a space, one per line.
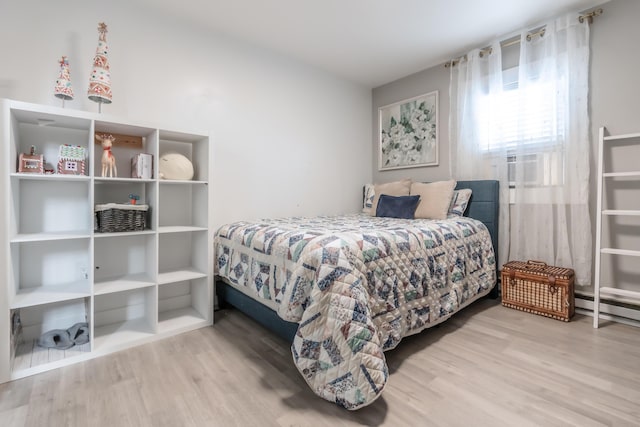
pixel 526 123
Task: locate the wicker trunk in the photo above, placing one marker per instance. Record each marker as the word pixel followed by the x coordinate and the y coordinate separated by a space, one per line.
pixel 535 287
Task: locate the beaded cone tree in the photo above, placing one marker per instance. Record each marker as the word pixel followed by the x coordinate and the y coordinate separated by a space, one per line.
pixel 63 89
pixel 100 78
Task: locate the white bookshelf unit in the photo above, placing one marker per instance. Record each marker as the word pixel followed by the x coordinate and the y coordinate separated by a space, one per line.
pixel 58 270
pixel 616 229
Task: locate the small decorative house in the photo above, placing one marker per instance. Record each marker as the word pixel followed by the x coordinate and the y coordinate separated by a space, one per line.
pixel 31 163
pixel 72 160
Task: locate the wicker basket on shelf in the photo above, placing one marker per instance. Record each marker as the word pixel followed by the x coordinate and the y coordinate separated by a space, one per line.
pixel 114 217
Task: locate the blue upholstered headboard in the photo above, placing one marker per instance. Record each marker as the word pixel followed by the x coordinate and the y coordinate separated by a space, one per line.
pixel 484 206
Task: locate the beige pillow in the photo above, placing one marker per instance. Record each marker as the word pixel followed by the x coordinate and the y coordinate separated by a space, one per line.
pixel 396 188
pixel 435 198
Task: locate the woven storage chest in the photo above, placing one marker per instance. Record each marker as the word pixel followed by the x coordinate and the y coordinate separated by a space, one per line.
pixel 114 217
pixel 538 288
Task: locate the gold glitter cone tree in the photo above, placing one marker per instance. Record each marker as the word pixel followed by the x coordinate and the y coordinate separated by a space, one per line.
pixel 100 78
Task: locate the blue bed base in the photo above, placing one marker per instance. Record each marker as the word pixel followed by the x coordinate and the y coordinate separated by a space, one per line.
pixel 483 206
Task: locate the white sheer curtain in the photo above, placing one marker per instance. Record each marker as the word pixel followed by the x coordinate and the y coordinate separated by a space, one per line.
pixel 533 136
pixel 474 128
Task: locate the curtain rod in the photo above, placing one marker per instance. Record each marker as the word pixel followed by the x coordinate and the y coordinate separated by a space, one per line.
pixel 513 41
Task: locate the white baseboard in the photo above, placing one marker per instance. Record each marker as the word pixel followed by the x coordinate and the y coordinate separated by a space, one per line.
pixel 609 311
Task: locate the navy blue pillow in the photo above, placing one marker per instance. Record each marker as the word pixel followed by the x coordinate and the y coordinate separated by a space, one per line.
pixel 397 207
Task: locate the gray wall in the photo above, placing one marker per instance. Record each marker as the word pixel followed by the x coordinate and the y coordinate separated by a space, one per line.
pixel 614 103
pixel 436 78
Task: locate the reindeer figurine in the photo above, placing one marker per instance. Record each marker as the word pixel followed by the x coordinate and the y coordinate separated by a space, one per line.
pixel 108 161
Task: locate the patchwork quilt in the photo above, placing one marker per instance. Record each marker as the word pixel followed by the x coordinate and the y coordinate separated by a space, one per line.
pixel 356 285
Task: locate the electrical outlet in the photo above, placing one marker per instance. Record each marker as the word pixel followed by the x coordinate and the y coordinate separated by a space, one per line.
pixel 84 271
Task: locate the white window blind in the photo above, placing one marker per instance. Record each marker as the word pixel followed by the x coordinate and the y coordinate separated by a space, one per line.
pixel 528 124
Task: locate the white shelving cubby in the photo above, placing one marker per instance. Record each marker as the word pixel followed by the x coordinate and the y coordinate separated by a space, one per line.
pixel 52 208
pixel 183 304
pixel 123 262
pixel 184 206
pixel 124 317
pixel 58 269
pixel 181 258
pixel 26 356
pixel 48 271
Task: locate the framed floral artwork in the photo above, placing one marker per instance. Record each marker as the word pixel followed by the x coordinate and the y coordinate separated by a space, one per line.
pixel 408 136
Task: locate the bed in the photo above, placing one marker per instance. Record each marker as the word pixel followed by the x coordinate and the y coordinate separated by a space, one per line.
pixel 345 289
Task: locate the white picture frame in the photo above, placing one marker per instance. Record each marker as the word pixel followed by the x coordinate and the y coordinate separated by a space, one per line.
pixel 408 133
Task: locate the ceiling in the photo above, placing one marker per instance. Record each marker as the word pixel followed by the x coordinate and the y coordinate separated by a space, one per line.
pixel 371 42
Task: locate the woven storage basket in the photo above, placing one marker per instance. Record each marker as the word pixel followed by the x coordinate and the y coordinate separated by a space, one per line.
pixel 535 287
pixel 113 217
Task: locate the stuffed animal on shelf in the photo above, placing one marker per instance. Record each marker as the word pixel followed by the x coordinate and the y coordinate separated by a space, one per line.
pixel 108 161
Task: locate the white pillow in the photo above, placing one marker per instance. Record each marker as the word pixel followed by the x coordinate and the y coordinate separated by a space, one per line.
pixel 459 202
pixel 435 198
pixel 396 188
pixel 369 195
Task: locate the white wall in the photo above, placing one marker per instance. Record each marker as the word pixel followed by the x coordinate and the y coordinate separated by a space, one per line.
pixel 289 139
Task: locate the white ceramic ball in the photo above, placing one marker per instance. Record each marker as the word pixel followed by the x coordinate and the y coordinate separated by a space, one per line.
pixel 175 166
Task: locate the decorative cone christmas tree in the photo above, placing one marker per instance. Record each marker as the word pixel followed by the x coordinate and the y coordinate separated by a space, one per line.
pixel 63 89
pixel 100 79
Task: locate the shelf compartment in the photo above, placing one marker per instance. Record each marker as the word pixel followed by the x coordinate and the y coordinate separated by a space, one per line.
pixel 41 237
pixel 122 152
pixel 183 205
pixel 56 269
pixel 179 229
pixel 124 317
pixel 47 132
pixel 182 182
pixel 124 262
pixel 34 321
pixel 27 297
pixel 183 305
pixel 35 115
pixel 52 178
pixel 182 256
pixel 117 191
pixel 107 180
pixel 50 207
pixel 179 274
pixel 122 283
pixel 193 147
pixel 98 235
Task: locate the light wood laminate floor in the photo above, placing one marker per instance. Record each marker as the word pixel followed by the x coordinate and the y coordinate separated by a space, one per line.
pixel 487 366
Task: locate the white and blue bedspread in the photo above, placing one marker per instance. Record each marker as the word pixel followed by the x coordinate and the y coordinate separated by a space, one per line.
pixel 356 285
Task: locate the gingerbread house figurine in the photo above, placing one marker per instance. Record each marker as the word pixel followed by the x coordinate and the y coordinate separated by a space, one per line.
pixel 31 163
pixel 72 160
